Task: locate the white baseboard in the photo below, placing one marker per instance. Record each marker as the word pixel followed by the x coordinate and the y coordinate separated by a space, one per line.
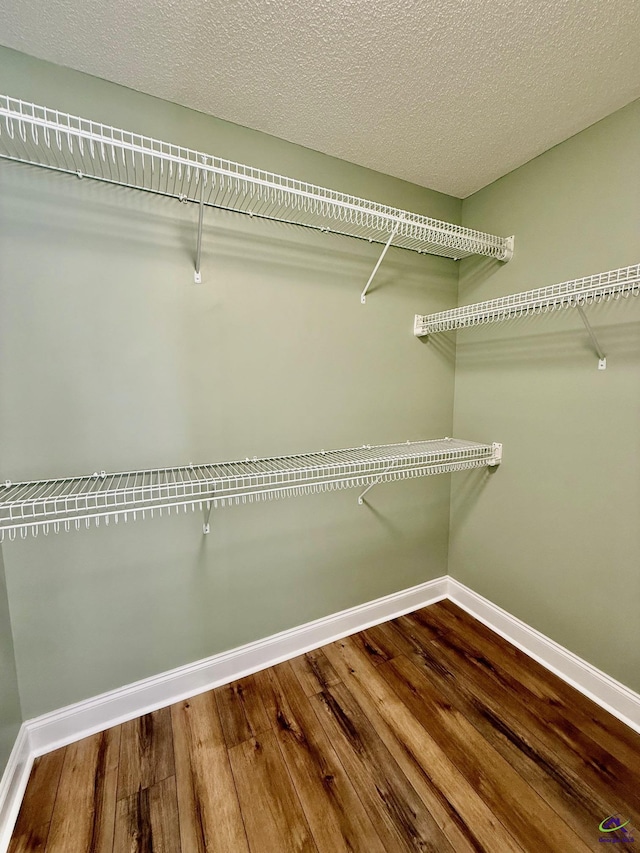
pixel 66 725
pixel 13 784
pixel 610 694
pixel 69 724
pixel 82 719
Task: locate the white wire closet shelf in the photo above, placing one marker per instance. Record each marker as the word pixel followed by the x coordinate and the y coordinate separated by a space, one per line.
pixel 63 504
pixel 575 293
pixel 46 137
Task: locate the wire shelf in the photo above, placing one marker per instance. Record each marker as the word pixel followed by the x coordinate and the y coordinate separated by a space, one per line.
pixel 575 293
pixel 45 137
pixel 54 505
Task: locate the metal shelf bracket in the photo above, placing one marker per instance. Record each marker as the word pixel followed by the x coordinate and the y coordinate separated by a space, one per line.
pixel 363 295
pixel 371 485
pixel 197 275
pixel 602 359
pixel 206 527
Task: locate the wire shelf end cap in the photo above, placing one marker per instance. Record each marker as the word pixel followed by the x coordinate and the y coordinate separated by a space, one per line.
pixel 508 249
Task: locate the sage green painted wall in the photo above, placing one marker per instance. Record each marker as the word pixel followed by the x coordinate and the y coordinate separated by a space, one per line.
pixel 113 359
pixel 554 535
pixel 10 714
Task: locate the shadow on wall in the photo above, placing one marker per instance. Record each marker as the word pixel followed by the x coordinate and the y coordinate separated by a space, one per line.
pixel 620 342
pixel 473 273
pixel 337 261
pixel 464 497
pixel 383 520
pixel 444 345
pixel 260 544
pixel 128 217
pixel 276 327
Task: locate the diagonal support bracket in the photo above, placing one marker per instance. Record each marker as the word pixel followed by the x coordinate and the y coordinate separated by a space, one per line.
pixel 206 527
pixel 197 275
pixel 371 485
pixel 602 362
pixel 363 295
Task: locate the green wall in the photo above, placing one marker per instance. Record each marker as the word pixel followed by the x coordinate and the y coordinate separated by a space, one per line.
pixel 10 714
pixel 554 535
pixel 113 359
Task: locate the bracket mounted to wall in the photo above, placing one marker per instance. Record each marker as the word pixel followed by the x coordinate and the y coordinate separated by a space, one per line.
pixel 497 454
pixel 602 359
pixel 374 483
pixel 363 295
pixel 197 275
pixel 206 527
pixel 494 459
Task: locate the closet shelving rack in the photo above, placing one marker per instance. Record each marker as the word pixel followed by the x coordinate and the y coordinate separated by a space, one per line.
pixel 63 504
pixel 575 293
pixel 41 136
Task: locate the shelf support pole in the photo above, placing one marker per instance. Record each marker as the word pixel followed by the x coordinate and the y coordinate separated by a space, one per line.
pixel 363 295
pixel 197 275
pixel 602 363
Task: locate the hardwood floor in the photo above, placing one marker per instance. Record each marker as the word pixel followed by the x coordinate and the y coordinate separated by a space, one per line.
pixel 427 733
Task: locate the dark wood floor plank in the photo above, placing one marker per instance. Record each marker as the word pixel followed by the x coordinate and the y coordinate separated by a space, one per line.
pixel 336 816
pixel 605 729
pixel 530 819
pixel 431 621
pixel 401 818
pixel 40 795
pixel 420 758
pixel 376 645
pixel 579 806
pixel 314 672
pixel 574 745
pixel 147 821
pixel 210 819
pixel 241 711
pixel 29 840
pixel 84 810
pixel 146 752
pixel 273 816
pixel 509 707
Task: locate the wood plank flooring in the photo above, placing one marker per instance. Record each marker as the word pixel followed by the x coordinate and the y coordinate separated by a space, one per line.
pixel 426 733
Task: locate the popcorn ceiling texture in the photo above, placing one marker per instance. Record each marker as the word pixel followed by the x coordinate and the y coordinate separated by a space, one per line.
pixel 449 94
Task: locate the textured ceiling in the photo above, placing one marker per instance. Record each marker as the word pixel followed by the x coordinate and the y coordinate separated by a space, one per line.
pixel 449 94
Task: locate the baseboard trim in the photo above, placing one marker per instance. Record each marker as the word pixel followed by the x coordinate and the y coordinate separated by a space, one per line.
pixel 610 694
pixel 13 784
pixel 69 724
pixel 66 725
